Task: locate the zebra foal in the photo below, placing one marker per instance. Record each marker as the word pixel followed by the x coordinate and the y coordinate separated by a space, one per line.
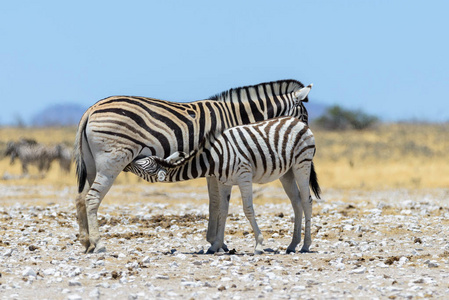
pixel 119 130
pixel 280 148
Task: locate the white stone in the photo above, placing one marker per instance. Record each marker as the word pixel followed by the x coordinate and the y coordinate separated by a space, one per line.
pixel 359 270
pixel 99 263
pixel 403 260
pixel 74 283
pixel 95 293
pixel 49 271
pixel 123 280
pixel 181 256
pixel 268 289
pixel 8 252
pixel 191 283
pixel 29 272
pixel 433 264
pixel 104 285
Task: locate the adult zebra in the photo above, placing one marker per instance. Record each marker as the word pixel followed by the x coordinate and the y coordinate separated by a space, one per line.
pixel 280 148
pixel 118 130
pixel 31 152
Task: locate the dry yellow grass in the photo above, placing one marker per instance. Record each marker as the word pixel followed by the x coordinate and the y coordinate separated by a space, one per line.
pixel 391 156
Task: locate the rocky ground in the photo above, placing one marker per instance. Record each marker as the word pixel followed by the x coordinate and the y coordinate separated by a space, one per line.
pixel 388 244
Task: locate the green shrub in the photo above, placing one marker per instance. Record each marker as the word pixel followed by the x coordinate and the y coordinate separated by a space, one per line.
pixel 338 118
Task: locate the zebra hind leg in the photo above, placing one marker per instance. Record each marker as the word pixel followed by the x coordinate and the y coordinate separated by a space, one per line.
pixel 302 176
pixel 96 193
pixel 81 214
pixel 291 189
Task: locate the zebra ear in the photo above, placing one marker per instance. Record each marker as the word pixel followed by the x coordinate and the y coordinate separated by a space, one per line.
pixel 302 93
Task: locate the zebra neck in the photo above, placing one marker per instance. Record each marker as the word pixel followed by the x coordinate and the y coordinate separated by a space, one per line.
pixel 260 102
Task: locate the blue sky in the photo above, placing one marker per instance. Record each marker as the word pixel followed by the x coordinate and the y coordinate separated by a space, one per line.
pixel 388 58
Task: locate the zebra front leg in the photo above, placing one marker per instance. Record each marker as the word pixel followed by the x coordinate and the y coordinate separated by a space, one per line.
pixel 246 190
pixel 214 202
pixel 97 191
pixel 224 193
pixel 291 189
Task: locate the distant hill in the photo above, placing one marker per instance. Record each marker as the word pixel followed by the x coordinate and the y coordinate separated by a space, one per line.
pixel 58 115
pixel 315 109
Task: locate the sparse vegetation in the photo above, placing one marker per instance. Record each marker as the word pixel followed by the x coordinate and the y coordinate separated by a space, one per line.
pixel 338 118
pixel 386 156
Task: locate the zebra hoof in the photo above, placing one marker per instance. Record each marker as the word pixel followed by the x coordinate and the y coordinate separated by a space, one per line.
pixel 225 248
pixel 290 251
pixel 99 248
pixel 209 251
pixel 258 252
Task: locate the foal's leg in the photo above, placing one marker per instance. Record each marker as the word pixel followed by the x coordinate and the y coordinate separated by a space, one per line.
pixel 289 183
pixel 302 176
pixel 224 192
pixel 246 189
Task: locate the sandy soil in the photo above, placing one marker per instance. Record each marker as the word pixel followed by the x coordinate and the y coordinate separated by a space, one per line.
pixel 383 244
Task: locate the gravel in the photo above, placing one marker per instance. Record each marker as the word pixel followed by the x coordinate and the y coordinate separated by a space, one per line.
pixel 381 244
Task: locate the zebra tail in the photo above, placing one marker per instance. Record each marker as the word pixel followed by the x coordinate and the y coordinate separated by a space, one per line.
pixel 81 171
pixel 314 182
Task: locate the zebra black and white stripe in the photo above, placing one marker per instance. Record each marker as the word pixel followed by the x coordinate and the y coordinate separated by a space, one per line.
pixel 121 129
pixel 280 148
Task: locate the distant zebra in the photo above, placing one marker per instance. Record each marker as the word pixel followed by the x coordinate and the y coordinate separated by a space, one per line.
pixel 280 148
pixel 118 130
pixel 64 155
pixel 30 152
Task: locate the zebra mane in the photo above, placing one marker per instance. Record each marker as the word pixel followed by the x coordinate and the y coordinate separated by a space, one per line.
pixel 291 83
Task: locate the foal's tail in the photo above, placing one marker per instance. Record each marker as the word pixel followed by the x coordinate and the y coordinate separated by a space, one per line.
pixel 314 185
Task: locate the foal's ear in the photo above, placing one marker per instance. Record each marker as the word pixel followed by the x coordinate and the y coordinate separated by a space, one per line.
pixel 302 93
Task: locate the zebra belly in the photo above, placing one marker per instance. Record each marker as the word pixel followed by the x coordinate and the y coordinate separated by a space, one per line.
pixel 255 178
pixel 268 177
